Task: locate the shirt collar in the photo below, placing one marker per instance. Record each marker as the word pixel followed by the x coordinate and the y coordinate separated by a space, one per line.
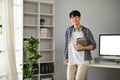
pixel 77 29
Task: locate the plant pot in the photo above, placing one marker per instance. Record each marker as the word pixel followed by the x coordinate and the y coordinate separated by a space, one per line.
pixel 28 79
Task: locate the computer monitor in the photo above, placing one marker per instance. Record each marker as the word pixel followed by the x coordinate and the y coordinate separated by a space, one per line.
pixel 109 45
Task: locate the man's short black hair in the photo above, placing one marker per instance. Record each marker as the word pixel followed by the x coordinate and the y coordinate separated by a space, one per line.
pixel 74 13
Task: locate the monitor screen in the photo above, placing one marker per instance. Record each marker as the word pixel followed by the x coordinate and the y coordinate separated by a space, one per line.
pixel 109 44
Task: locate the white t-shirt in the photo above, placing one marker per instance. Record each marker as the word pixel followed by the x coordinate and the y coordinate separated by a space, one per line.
pixel 75 57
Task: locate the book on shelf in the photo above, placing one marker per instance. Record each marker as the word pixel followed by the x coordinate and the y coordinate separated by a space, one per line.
pixel 43 33
pixel 43 29
pixel 46 68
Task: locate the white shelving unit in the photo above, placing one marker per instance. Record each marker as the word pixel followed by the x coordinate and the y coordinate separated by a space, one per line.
pixel 34 12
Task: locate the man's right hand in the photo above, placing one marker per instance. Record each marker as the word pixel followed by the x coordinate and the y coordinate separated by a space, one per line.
pixel 65 62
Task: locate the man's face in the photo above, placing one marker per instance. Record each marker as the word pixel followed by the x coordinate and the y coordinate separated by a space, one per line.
pixel 75 20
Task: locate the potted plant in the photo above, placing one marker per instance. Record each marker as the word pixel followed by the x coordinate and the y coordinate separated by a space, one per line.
pixel 32 55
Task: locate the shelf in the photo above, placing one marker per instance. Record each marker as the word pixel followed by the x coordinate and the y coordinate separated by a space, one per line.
pixel 28 25
pixel 47 74
pixel 28 32
pixel 48 20
pixel 46 8
pixel 25 38
pixel 35 75
pixel 46 26
pixel 46 50
pixel 47 62
pixel 32 1
pixel 51 38
pixel 49 15
pixel 47 1
pixel 38 21
pixel 30 6
pixel 31 20
pixel 29 13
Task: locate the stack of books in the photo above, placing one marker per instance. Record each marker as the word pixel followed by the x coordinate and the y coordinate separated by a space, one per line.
pixel 43 33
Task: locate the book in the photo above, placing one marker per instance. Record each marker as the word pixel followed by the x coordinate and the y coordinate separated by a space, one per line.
pixel 82 41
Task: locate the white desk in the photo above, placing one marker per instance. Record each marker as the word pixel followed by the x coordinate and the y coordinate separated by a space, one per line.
pixel 105 65
pixel 103 71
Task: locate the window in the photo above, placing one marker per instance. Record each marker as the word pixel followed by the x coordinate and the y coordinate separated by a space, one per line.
pixel 18 27
pixel 17 13
pixel 0 29
pixel 0 16
pixel 2 68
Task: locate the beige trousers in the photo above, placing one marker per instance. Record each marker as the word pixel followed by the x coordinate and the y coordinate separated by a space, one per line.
pixel 77 72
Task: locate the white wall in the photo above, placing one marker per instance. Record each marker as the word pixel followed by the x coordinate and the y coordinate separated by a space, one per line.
pixel 100 16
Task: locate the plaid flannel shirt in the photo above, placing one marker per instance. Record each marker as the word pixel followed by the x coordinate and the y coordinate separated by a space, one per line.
pixel 90 41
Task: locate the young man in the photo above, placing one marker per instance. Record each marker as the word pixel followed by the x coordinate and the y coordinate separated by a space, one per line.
pixel 77 55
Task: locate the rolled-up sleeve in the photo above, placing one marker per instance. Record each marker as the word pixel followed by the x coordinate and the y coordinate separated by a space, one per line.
pixel 66 46
pixel 91 40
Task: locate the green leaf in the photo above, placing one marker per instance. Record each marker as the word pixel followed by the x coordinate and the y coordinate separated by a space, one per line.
pixel 32 55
